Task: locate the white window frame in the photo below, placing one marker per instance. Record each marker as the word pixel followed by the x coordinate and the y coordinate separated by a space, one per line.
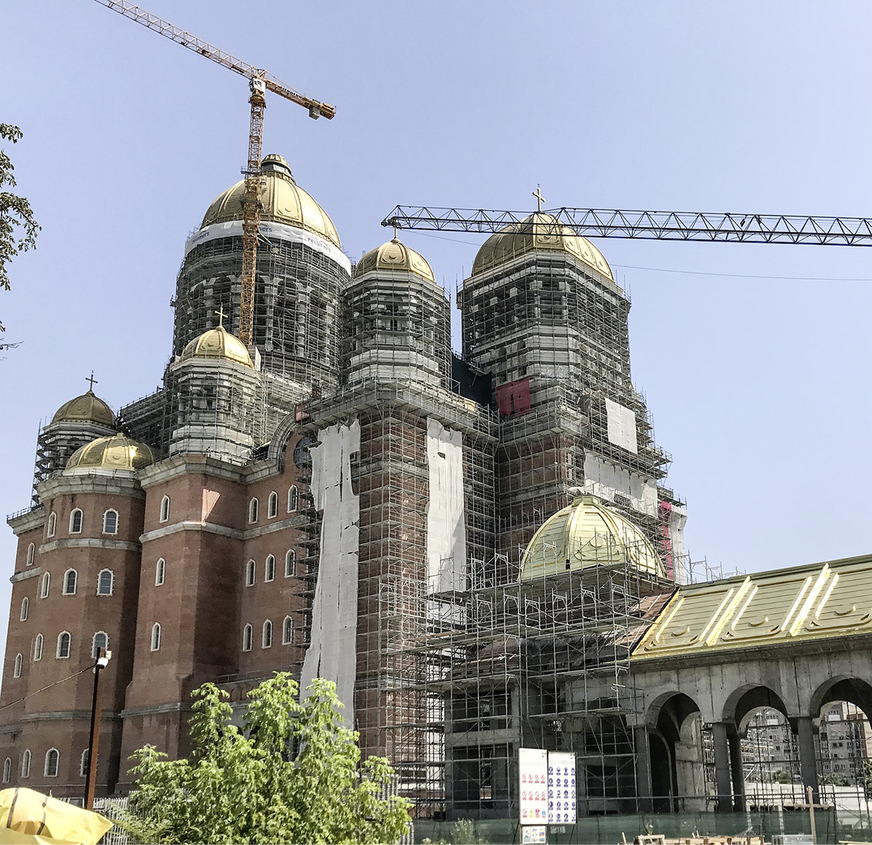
pixel 52 526
pixel 272 505
pixel 155 636
pixel 38 647
pixel 25 763
pixel 7 770
pixel 250 573
pixel 288 630
pixel 247 637
pixel 74 514
pixel 83 764
pixel 164 514
pixel 290 563
pixel 253 509
pixel 94 642
pixel 266 634
pixel 160 572
pixel 269 569
pixel 25 609
pixel 106 514
pixel 65 590
pixel 55 755
pixel 17 665
pixel 45 585
pixel 69 642
pixel 100 582
pixel 31 555
pixel 293 499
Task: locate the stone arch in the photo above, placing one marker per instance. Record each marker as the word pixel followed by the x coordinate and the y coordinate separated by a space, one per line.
pixel 741 704
pixel 841 688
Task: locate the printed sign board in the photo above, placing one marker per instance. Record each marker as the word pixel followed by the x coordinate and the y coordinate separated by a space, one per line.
pixel 533 834
pixel 561 788
pixel 533 772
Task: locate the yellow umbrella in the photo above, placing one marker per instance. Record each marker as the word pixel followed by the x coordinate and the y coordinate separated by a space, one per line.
pixel 31 818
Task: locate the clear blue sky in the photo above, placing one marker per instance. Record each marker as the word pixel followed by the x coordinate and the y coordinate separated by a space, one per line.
pixel 754 359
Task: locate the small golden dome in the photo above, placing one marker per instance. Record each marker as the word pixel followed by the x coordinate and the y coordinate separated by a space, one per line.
pixel 395 256
pixel 520 238
pixel 281 199
pixel 217 343
pixel 585 534
pixel 117 452
pixel 85 408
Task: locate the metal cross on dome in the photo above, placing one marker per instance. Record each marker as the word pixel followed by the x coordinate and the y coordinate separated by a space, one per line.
pixel 91 382
pixel 221 316
pixel 539 198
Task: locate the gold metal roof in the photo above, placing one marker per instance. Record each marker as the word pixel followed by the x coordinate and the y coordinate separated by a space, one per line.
pixel 584 534
pixel 85 408
pixel 395 256
pixel 115 452
pixel 282 201
pixel 520 238
pixel 810 602
pixel 217 343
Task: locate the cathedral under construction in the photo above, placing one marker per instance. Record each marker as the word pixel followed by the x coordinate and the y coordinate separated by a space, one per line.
pixel 477 549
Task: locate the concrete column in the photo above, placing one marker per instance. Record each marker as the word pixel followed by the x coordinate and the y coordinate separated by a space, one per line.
pixel 736 768
pixel 644 787
pixel 723 780
pixel 807 762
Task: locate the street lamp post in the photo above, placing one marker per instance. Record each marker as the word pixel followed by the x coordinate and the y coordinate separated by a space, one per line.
pixel 103 656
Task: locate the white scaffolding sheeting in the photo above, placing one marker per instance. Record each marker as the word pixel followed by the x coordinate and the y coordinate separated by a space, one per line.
pixel 621 426
pixel 333 647
pixel 446 535
pixel 604 478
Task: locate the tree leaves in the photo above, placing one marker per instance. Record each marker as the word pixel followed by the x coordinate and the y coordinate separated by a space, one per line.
pixel 292 774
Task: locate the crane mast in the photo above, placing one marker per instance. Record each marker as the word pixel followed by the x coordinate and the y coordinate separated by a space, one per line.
pixel 260 81
pixel 725 227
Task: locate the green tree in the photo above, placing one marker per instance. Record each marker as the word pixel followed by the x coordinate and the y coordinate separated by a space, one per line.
pixel 17 227
pixel 291 774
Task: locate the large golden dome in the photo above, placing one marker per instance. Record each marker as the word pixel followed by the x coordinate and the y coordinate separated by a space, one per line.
pixel 85 408
pixel 585 534
pixel 117 452
pixel 395 256
pixel 539 231
pixel 217 343
pixel 282 201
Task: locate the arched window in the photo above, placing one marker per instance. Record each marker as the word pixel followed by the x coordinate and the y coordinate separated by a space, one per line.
pixel 31 553
pixel 7 769
pixel 164 508
pixel 16 668
pixel 253 510
pixel 37 648
pixel 270 568
pixel 45 585
pixel 246 638
pixel 288 631
pixel 25 609
pixel 249 573
pixel 110 522
pixel 290 563
pixel 160 572
pixel 105 582
pixel 25 763
pixel 266 638
pixel 52 524
pixel 98 641
pixel 272 505
pixel 83 764
pixel 52 761
pixel 63 650
pixel 70 580
pixel 155 636
pixel 293 499
pixel 76 521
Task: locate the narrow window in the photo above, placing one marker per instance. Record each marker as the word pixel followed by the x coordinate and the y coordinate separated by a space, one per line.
pixel 31 553
pixel 7 769
pixel 266 639
pixel 110 522
pixel 293 499
pixel 272 505
pixel 83 764
pixel 246 638
pixel 155 636
pixel 63 649
pixel 288 631
pixel 52 524
pixel 45 585
pixel 290 563
pixel 52 759
pixel 253 508
pixel 160 572
pixel 76 521
pixel 70 580
pixel 16 669
pixel 270 569
pixel 100 640
pixel 25 609
pixel 105 582
pixel 249 573
pixel 164 508
pixel 25 763
pixel 37 648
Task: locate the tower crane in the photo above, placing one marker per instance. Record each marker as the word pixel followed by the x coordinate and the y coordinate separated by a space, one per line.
pixel 259 81
pixel 660 225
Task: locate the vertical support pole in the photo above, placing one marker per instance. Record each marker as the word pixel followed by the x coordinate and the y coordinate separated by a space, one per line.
pixel 723 780
pixel 644 787
pixel 807 763
pixel 736 769
pixel 94 736
pixel 810 795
